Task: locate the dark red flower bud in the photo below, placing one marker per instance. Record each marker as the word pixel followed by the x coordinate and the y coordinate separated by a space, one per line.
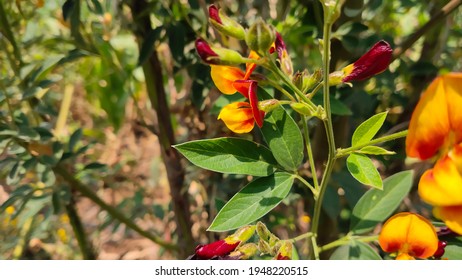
pixel 205 51
pixel 213 14
pixel 375 61
pixel 225 24
pixel 217 55
pixel 440 251
pixel 215 249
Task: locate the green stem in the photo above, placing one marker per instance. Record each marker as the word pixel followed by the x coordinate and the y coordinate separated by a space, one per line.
pixel 278 87
pixel 346 239
pixel 300 237
pixel 114 212
pixel 313 190
pixel 85 245
pixel 309 150
pixel 313 92
pixel 347 151
pixel 329 132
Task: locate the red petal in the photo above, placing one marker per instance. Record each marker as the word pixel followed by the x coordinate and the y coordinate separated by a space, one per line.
pixel 375 61
pixel 204 50
pixel 215 249
pixel 213 14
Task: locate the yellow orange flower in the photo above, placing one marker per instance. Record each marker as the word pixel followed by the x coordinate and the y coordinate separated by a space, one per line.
pixel 410 236
pixel 239 117
pixel 436 124
pixel 441 187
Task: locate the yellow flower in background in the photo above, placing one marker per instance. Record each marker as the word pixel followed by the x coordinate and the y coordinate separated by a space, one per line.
pixel 410 236
pixel 436 130
pixel 436 124
pixel 441 187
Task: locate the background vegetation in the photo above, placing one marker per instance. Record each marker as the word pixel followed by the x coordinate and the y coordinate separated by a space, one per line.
pixel 94 93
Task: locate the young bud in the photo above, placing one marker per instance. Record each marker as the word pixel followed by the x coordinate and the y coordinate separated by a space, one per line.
pixel 242 235
pixel 260 37
pixel 309 82
pixel 302 108
pixel 244 252
pixel 268 105
pixel 217 55
pixel 263 231
pixel 285 251
pixel 283 56
pixel 224 24
pixel 264 247
pixel 298 79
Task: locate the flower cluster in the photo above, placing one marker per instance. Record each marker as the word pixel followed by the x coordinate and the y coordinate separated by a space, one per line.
pixel 264 41
pixel 435 131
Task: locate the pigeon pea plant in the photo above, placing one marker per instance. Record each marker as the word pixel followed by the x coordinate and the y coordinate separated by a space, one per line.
pixel 283 123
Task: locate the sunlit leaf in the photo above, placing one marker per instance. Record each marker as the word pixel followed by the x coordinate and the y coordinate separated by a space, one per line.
pixel 253 201
pixel 376 206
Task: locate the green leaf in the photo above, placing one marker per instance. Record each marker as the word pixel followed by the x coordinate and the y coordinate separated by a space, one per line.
pixel 453 249
pixel 229 155
pixel 375 205
pixel 363 170
pixel 253 201
pixel 75 138
pixel 355 250
pixel 94 165
pixel 284 138
pixel 368 129
pixel 374 150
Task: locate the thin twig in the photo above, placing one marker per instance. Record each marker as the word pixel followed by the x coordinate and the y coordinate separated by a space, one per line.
pixel 442 14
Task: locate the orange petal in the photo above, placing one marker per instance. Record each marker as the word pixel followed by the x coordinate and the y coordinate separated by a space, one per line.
pixel 238 117
pixel 249 67
pixel 442 185
pixel 451 215
pixel 409 234
pixel 404 257
pixel 224 76
pixel 429 124
pixel 453 87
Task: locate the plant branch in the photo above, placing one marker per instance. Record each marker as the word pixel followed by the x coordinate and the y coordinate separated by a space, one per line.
pixel 347 151
pixel 346 239
pixel 114 212
pixel 85 245
pixel 329 130
pixel 442 14
pixel 309 150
